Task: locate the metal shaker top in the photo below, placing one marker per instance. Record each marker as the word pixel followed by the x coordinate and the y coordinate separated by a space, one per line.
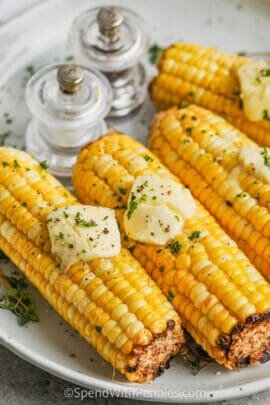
pixel 109 38
pixel 68 96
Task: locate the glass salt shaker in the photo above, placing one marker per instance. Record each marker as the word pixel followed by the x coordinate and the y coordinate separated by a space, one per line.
pixel 68 104
pixel 114 40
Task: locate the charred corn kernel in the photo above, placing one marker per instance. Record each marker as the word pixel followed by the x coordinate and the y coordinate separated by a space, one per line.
pixel 208 78
pixel 240 201
pixel 103 298
pixel 209 281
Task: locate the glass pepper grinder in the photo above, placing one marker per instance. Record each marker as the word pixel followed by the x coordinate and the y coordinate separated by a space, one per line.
pixel 113 40
pixel 68 104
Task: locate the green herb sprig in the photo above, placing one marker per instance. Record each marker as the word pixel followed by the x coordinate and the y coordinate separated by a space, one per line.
pixel 195 235
pixel 174 246
pixel 17 299
pixel 194 355
pixel 82 222
pixel 266 157
pixel 155 53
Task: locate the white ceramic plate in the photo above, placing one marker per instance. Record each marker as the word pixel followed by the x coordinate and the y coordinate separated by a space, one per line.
pixel 38 37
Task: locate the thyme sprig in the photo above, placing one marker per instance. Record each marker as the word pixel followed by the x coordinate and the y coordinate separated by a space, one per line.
pixel 15 297
pixel 194 355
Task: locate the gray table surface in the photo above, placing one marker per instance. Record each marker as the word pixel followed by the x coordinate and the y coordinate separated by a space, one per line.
pixel 24 384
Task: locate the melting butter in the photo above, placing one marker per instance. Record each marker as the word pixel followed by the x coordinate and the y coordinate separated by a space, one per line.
pixel 254 79
pixel 81 233
pixel 156 209
pixel 256 161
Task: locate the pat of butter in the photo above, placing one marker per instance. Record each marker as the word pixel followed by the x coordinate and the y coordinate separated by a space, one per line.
pixel 157 209
pixel 81 233
pixel 256 161
pixel 254 79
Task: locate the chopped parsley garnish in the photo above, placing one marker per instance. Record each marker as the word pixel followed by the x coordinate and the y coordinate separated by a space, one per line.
pixel 242 53
pixel 82 222
pixel 191 93
pixel 131 248
pixel 70 246
pixel 30 69
pixel 65 214
pixel 161 269
pixel 155 53
pixel 69 58
pixel 16 163
pixel 229 203
pixel 266 115
pixel 17 299
pixel 98 328
pixel 132 206
pixel 265 72
pixel 148 158
pixel 195 235
pixel 5 164
pixel 266 156
pixel 189 129
pixel 3 137
pixel 241 195
pixel 122 190
pixel 170 295
pixel 60 235
pixel 174 246
pixel 44 165
pixel 8 119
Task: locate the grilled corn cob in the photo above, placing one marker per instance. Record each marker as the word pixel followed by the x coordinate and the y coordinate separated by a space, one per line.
pixel 112 303
pixel 208 78
pixel 223 300
pixel 205 152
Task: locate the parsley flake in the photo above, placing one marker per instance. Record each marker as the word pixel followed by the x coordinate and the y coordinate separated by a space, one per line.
pixel 266 156
pixel 44 165
pixel 174 246
pixel 170 296
pixel 148 158
pixel 155 53
pixel 266 115
pixel 122 190
pixel 195 235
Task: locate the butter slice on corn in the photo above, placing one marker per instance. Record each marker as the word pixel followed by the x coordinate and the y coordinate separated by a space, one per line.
pixel 81 233
pixel 254 79
pixel 157 209
pixel 207 77
pixel 111 302
pixel 252 159
pixel 223 300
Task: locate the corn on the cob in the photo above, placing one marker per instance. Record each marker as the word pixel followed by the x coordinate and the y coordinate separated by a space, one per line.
pixel 204 151
pixel 223 300
pixel 112 303
pixel 206 77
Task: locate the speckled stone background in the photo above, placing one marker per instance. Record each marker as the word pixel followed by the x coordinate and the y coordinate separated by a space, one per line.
pixel 24 384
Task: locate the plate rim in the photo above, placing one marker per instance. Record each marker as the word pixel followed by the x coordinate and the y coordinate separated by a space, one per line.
pixel 89 382
pixel 127 391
